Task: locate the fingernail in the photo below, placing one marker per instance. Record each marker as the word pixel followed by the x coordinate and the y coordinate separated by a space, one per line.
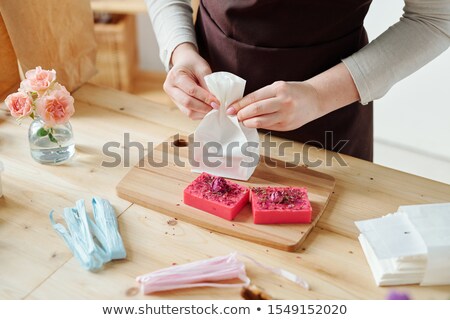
pixel 214 105
pixel 231 110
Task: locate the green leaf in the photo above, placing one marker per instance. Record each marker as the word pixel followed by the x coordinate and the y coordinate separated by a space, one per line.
pixel 34 95
pixel 42 132
pixel 52 138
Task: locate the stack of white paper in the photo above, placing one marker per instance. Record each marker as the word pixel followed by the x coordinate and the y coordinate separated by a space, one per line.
pixel 410 246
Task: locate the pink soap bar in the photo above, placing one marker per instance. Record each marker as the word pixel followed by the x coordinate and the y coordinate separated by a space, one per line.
pixel 216 195
pixel 277 205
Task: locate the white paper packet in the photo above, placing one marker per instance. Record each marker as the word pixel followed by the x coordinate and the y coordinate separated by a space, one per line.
pixel 235 147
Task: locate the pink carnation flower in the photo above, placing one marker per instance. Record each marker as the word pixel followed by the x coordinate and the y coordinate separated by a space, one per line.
pixel 56 107
pixel 38 80
pixel 19 104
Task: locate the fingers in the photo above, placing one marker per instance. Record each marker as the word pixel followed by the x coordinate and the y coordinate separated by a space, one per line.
pixel 261 94
pixel 201 73
pixel 189 105
pixel 258 108
pixel 267 121
pixel 183 87
pixel 193 115
pixel 191 88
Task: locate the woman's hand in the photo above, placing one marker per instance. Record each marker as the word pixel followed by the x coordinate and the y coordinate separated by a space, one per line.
pixel 284 106
pixel 281 106
pixel 185 84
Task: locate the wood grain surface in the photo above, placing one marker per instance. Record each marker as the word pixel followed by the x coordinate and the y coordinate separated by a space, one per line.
pixel 36 264
pixel 161 188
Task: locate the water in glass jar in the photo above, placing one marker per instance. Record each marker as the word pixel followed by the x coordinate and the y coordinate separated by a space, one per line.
pixel 44 151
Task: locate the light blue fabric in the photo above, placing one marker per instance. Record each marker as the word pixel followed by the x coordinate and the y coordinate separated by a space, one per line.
pixel 93 243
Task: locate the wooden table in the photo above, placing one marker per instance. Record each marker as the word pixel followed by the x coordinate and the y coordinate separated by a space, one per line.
pixel 36 264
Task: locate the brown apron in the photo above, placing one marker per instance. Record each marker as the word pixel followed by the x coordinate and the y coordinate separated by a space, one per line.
pixel 264 41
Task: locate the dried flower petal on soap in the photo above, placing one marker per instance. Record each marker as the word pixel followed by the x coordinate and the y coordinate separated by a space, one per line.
pixel 217 189
pixel 216 195
pixel 219 185
pixel 276 198
pixel 278 205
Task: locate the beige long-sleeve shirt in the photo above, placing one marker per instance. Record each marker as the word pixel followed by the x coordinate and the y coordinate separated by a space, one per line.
pixel 422 33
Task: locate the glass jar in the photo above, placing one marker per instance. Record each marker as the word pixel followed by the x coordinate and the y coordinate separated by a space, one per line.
pixel 51 145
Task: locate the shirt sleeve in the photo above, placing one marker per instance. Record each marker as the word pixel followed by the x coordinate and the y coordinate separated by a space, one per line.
pixel 172 24
pixel 422 33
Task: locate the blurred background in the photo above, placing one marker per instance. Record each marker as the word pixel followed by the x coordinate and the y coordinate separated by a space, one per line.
pixel 412 122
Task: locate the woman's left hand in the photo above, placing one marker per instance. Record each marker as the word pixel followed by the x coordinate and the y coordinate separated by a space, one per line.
pixel 281 106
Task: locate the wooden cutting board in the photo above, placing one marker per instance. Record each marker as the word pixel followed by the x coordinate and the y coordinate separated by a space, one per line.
pixel 161 189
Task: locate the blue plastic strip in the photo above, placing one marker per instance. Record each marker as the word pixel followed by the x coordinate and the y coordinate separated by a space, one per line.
pixel 93 243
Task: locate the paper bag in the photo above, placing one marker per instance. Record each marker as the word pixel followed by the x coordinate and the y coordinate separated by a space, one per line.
pixel 9 72
pixel 223 145
pixel 53 34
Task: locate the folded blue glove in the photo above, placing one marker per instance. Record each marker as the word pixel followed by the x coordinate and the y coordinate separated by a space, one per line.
pixel 93 243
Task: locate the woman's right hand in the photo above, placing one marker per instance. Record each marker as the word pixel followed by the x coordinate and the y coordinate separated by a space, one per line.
pixel 185 84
